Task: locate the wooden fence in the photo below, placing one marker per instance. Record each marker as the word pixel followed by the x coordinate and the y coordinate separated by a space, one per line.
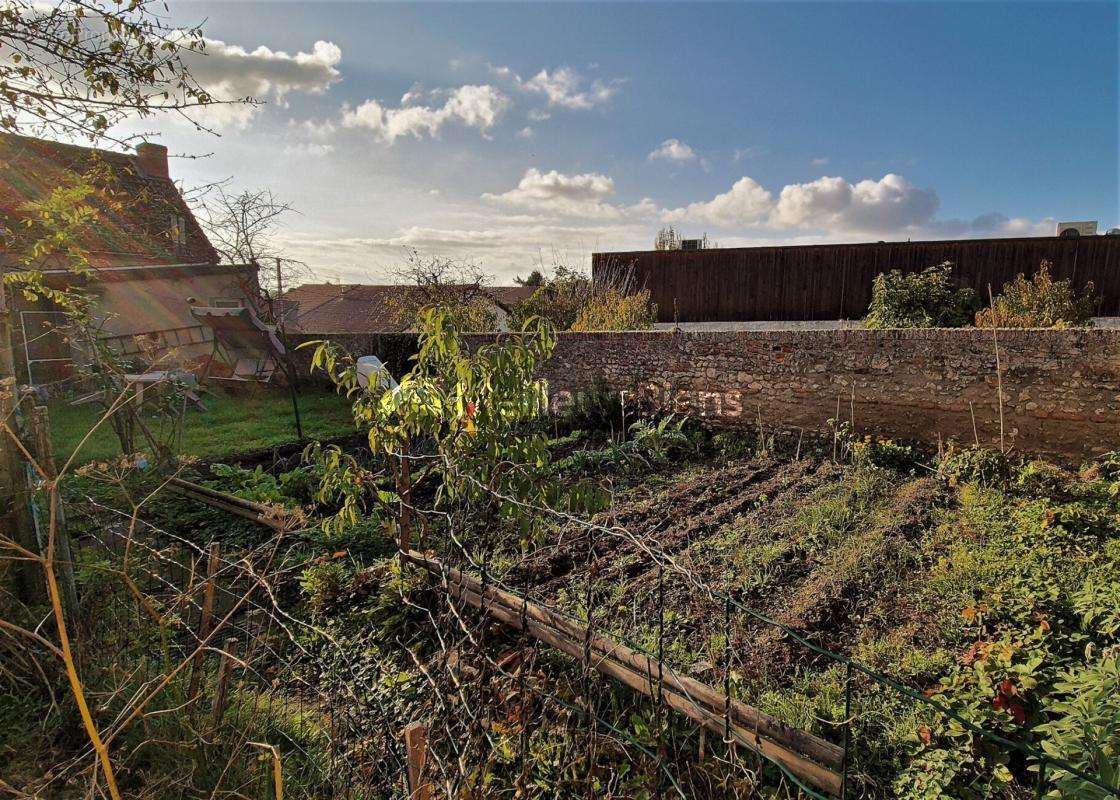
pixel 834 281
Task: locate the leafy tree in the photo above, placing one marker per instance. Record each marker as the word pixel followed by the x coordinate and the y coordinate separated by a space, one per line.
pixel 616 310
pixel 462 417
pixel 534 278
pixel 926 299
pixel 570 300
pixel 1040 302
pixel 82 66
pixel 558 299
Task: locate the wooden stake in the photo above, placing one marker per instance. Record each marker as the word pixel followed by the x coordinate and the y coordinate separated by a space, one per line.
pixel 15 498
pixel 204 619
pixel 40 422
pixel 277 769
pixel 999 372
pixel 221 685
pixel 416 746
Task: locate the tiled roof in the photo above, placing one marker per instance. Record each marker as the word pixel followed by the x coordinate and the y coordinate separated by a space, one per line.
pixel 363 308
pixel 135 224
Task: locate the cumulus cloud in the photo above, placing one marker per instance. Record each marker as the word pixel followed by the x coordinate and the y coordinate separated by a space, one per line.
pixel 672 150
pixel 746 203
pixel 891 203
pixel 564 87
pixel 473 106
pixel 231 72
pixel 583 194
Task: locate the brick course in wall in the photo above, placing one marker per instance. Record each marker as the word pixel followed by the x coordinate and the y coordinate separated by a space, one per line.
pixel 1061 388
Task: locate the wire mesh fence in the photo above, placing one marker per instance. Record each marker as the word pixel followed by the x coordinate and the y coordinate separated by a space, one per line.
pixel 487 667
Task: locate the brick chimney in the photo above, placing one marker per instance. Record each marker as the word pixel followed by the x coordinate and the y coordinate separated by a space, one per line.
pixel 152 159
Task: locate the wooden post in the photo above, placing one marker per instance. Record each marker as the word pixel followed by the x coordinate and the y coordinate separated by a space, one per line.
pixel 64 560
pixel 221 685
pixel 15 497
pixel 416 747
pixel 204 619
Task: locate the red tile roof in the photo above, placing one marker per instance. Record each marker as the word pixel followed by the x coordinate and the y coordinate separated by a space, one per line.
pixel 135 223
pixel 364 308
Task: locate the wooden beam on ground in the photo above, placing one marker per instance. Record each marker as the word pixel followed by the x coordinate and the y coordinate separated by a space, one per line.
pixel 257 512
pixel 804 755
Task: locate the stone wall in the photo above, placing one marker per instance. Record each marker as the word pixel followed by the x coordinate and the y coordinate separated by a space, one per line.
pixel 1061 388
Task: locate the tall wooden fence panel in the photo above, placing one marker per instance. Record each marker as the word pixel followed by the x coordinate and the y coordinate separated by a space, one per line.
pixel 834 281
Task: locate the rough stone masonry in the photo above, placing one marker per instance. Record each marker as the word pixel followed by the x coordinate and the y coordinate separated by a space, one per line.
pixel 1061 388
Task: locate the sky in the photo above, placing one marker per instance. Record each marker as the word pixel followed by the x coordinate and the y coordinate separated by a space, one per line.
pixel 522 136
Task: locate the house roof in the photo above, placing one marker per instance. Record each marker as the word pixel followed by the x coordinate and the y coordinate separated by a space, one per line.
pixel 138 209
pixel 365 308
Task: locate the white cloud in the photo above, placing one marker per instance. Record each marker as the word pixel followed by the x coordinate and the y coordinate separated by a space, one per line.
pixel 525 133
pixel 819 161
pixel 230 72
pixel 473 106
pixel 746 203
pixel 673 150
pixel 317 149
pixel 564 87
pixel 889 204
pixel 539 115
pixel 575 195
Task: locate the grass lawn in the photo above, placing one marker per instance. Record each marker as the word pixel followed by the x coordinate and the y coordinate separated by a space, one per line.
pixel 232 422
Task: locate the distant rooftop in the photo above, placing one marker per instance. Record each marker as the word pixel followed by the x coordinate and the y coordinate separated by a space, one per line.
pixel 366 308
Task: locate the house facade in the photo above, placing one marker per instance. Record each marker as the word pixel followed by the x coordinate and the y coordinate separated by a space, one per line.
pixel 148 259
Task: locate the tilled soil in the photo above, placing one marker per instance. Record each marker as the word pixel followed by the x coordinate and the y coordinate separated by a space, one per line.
pixel 706 521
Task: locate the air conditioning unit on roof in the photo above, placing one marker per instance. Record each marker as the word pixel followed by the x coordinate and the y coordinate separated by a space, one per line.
pixel 1072 230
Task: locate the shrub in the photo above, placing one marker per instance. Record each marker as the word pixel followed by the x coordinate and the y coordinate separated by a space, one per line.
pixel 975 465
pixel 1040 302
pixel 558 300
pixel 1043 479
pixel 324 584
pixel 926 299
pixel 615 310
pixel 1085 727
pixel 885 453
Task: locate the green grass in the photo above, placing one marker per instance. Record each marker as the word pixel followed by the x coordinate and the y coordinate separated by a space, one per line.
pixel 233 422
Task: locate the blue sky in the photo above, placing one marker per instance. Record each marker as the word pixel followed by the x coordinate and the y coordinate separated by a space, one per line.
pixel 512 134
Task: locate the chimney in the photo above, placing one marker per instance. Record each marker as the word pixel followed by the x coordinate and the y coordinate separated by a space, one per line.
pixel 152 159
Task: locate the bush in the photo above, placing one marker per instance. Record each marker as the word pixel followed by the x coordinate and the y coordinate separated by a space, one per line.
pixel 926 299
pixel 558 300
pixel 1040 302
pixel 885 453
pixel 324 584
pixel 1043 479
pixel 615 310
pixel 976 465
